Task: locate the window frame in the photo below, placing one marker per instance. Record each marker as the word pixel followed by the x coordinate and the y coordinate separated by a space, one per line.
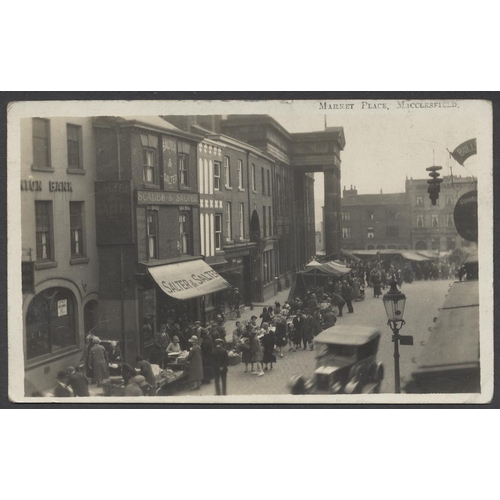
pixel 227 172
pixel 79 142
pixel 241 220
pixel 346 232
pixel 435 217
pixel 268 182
pixel 47 139
pixel 183 169
pixel 227 220
pixel 420 217
pixel 50 233
pixel 147 168
pixel 419 199
pixel 81 215
pixel 217 177
pixel 254 178
pixel 187 232
pixel 152 236
pixel 370 230
pixel 218 232
pixel 346 216
pixel 392 231
pixel 241 186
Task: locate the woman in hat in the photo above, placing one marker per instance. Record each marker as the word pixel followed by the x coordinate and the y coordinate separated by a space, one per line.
pixel 134 388
pixel 195 364
pixel 266 317
pixel 268 342
pixel 256 350
pixel 115 359
pixel 246 353
pixel 98 360
pixel 280 333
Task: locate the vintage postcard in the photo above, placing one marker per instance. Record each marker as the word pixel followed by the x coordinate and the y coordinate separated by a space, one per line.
pixel 310 251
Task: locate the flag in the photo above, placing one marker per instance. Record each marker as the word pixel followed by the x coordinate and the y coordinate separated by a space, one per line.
pixel 466 149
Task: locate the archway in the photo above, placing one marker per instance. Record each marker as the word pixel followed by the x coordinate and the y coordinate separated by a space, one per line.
pixel 380 247
pixel 254 227
pixel 370 247
pixel 421 245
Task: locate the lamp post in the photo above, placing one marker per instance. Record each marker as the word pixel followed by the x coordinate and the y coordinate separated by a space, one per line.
pixel 394 303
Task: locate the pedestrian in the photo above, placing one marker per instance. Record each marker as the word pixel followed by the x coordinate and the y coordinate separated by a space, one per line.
pixel 246 354
pixel 219 364
pixel 256 350
pixel 253 321
pixel 195 364
pixel 237 333
pixel 160 343
pixel 128 373
pixel 347 294
pixel 307 329
pixel 281 333
pixel 277 308
pixel 78 382
pixel 313 302
pixel 339 302
pixel 98 361
pixel 207 346
pixel 237 302
pixel 356 287
pixel 266 317
pixel 268 342
pixel 61 389
pixel 146 370
pixel 85 360
pixel 115 359
pixel 329 318
pixel 297 322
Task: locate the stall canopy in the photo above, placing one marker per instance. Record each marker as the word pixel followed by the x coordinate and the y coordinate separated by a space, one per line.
pixel 187 280
pixel 314 263
pixel 332 268
pixel 413 256
pixel 350 255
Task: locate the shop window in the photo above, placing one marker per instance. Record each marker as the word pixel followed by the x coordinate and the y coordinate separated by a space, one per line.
pixel 346 232
pixel 76 217
pixel 44 231
pixel 420 221
pixel 228 221
pixel 183 170
pixel 240 174
pixel 241 220
pixel 150 166
pixel 50 323
pixel 152 234
pixel 227 172
pixel 41 143
pixel 185 233
pixel 217 175
pixel 420 201
pixel 392 231
pixel 74 139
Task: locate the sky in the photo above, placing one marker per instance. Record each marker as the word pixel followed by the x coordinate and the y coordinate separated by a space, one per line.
pixel 384 147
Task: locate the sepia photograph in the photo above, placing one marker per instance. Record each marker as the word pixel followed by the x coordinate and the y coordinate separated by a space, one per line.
pixel 285 252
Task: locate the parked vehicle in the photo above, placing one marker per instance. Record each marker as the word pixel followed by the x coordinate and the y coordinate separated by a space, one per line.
pixel 345 363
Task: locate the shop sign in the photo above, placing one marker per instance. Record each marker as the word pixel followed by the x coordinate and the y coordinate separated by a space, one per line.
pixel 166 198
pixel 169 148
pixel 114 221
pixel 465 216
pixel 62 307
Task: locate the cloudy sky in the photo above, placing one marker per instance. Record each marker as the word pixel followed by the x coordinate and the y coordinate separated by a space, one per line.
pixel 384 147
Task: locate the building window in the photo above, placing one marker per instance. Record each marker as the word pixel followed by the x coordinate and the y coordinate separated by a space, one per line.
pixel 152 234
pixel 346 232
pixel 420 201
pixel 449 200
pixel 449 220
pixel 50 323
pixel 217 175
pixel 44 230
pixel 434 220
pixel 370 233
pixel 346 215
pixel 241 220
pixel 420 221
pixel 270 222
pixel 369 215
pixel 228 220
pixel 74 135
pixel 41 143
pixel 227 172
pixel 183 170
pixel 240 174
pixel 184 230
pixel 254 180
pixel 218 231
pixel 269 183
pixel 392 214
pixel 149 174
pixel 76 228
pixel 392 231
pixel 262 173
pixel 264 220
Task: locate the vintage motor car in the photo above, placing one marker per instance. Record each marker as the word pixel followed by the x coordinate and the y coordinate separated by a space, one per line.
pixel 345 363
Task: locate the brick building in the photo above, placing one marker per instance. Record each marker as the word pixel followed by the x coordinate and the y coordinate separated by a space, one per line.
pixel 375 221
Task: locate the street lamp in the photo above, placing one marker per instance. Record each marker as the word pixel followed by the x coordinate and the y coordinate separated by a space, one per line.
pixel 394 303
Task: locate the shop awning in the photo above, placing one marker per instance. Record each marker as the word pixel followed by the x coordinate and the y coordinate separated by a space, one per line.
pixel 414 256
pixel 187 280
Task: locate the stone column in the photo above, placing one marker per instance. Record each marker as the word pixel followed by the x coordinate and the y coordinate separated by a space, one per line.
pixel 331 214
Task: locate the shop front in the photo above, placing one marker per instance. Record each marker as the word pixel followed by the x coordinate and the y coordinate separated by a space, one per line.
pixel 176 293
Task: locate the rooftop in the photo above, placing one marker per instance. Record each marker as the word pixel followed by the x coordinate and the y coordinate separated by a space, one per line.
pixel 355 200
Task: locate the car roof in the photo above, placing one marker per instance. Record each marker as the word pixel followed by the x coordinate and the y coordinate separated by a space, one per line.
pixel 347 335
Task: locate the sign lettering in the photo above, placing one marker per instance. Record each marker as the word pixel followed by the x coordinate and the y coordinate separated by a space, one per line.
pixel 31 185
pixel 465 216
pixel 166 198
